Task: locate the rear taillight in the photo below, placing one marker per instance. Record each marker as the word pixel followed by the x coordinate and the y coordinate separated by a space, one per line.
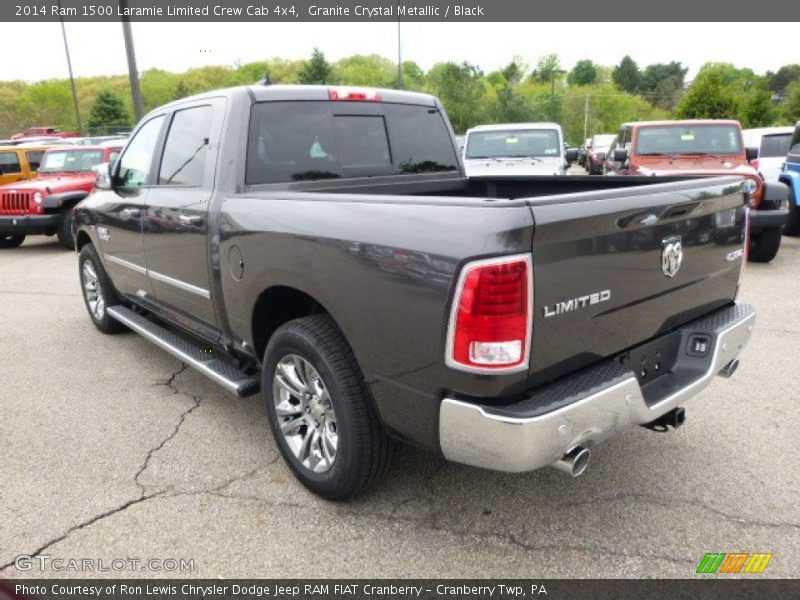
pixel 491 316
pixel 344 93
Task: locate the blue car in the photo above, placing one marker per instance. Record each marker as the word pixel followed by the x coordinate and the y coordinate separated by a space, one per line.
pixel 791 177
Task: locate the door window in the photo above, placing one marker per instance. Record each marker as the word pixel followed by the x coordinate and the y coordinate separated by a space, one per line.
pixel 136 162
pixel 186 150
pixel 9 163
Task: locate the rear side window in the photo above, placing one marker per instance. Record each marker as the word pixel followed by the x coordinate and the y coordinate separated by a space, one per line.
pixel 311 140
pixel 186 149
pixel 34 158
pixel 9 163
pixel 776 145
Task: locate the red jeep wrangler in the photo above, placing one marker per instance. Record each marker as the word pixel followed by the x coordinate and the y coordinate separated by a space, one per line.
pixel 43 206
pixel 704 148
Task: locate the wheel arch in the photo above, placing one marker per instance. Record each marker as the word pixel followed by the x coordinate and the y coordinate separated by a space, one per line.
pixel 792 179
pixel 277 305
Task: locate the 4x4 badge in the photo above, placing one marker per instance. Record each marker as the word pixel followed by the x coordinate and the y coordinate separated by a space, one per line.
pixel 671 255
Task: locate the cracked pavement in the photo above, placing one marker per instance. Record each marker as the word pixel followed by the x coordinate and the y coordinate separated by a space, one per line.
pixel 113 449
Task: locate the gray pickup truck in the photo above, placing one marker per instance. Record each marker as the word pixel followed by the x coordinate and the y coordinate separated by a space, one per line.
pixel 322 245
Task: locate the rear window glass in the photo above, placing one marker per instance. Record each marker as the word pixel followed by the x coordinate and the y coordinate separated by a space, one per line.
pixel 311 140
pixel 9 163
pixel 775 145
pixel 691 139
pixel 513 143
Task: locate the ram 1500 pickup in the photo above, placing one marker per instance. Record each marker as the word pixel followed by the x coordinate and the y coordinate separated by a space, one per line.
pixel 323 245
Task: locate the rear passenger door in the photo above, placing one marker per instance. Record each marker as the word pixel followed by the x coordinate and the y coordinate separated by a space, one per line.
pixel 176 217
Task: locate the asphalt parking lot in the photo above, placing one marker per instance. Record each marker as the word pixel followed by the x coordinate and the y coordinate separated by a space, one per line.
pixel 111 449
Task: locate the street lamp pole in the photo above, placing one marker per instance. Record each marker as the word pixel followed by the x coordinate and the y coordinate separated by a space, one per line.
pixel 71 77
pixel 133 72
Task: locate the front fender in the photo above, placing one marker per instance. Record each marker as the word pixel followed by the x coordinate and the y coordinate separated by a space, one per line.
pixel 792 179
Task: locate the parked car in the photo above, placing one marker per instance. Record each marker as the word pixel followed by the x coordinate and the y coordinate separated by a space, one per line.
pixel 772 144
pixel 597 153
pixel 791 177
pixel 269 238
pixel 705 148
pixel 44 205
pixel 515 149
pixel 19 163
pixel 38 132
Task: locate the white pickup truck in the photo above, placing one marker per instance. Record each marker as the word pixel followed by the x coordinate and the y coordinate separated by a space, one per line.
pixel 515 150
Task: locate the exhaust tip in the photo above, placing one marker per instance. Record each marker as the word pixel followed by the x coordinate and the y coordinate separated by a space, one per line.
pixel 729 369
pixel 574 462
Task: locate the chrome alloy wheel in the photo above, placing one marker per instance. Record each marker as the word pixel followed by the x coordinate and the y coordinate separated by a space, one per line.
pixel 305 413
pixel 92 291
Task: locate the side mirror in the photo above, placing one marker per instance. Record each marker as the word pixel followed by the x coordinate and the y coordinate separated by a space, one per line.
pixel 620 155
pixel 103 176
pixel 751 153
pixel 571 155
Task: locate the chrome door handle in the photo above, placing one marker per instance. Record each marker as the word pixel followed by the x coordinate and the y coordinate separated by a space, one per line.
pixel 130 212
pixel 191 219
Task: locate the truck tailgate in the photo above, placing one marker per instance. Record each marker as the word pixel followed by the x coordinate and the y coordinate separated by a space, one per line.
pixel 615 268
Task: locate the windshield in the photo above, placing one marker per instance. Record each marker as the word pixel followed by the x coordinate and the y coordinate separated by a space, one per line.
pixel 603 141
pixel 70 160
pixel 514 143
pixel 691 139
pixel 775 145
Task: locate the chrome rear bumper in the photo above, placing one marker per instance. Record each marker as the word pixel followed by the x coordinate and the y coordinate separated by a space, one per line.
pixel 590 407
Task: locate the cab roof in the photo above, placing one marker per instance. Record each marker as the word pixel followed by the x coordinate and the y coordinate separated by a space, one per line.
pixel 504 126
pixel 666 123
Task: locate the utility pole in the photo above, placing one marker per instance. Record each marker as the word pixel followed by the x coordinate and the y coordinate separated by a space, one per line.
pixel 71 77
pixel 586 118
pixel 133 72
pixel 399 52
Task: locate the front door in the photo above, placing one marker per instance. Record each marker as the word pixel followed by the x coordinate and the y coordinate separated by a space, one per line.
pixel 119 226
pixel 176 218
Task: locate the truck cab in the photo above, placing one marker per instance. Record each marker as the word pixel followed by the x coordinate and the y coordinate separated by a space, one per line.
pixel 19 163
pixel 704 148
pixel 515 149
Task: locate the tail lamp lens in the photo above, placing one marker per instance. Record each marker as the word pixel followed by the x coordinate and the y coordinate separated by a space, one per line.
pixel 491 317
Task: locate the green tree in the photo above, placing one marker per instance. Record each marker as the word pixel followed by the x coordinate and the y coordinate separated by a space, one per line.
pixel 708 98
pixel 547 68
pixel 317 70
pixel 108 110
pixel 463 92
pixel 663 83
pixel 627 75
pixel 779 81
pixel 583 73
pixel 790 109
pixel 757 110
pixel 371 70
pixel 514 72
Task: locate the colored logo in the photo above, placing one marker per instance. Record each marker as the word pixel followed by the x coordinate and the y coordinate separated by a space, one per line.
pixel 735 562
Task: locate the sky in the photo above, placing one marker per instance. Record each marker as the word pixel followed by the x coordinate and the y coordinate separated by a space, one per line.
pixel 98 48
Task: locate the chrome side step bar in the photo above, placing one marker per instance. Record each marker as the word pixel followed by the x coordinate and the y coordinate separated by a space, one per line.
pixel 223 373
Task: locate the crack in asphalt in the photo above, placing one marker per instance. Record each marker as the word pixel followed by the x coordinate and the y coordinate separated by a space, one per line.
pixel 143 495
pixel 671 503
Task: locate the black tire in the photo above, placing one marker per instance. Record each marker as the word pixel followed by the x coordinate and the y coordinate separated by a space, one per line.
pixel 66 237
pixel 103 286
pixel 8 240
pixel 764 246
pixel 363 450
pixel 793 226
